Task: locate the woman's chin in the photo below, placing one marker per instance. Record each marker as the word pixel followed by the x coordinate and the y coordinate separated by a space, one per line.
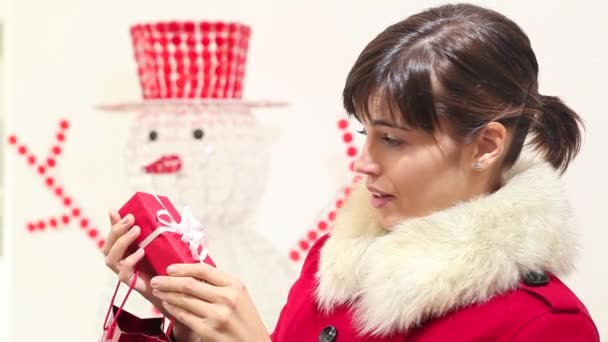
pixel 389 221
pixel 386 222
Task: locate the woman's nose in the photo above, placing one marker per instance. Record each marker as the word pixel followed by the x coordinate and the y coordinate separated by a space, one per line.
pixel 364 164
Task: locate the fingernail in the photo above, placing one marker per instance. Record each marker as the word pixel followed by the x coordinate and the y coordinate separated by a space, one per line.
pixel 171 269
pixel 135 230
pixel 154 282
pixel 126 219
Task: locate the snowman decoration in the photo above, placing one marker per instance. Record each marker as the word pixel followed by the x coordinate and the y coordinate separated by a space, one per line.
pixel 196 141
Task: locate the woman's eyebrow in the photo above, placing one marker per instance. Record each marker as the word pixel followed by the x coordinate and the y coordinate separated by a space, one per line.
pixel 388 124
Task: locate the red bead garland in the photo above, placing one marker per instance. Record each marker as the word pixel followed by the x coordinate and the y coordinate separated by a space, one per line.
pixel 322 226
pixel 48 163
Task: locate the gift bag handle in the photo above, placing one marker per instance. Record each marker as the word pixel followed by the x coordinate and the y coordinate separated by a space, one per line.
pixel 110 328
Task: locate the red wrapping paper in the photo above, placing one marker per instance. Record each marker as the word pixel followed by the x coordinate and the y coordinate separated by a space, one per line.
pixel 167 248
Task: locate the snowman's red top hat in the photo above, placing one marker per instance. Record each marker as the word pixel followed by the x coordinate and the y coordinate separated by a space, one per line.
pixel 190 63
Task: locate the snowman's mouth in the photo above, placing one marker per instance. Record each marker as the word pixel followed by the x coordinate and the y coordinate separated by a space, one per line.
pixel 171 163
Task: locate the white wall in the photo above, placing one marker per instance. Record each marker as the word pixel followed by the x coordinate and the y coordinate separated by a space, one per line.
pixel 64 56
pixel 4 265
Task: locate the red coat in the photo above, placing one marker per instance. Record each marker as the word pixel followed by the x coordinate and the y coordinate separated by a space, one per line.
pixel 530 313
pixel 453 275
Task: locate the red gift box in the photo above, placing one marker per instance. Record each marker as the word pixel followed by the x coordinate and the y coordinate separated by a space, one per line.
pixel 157 215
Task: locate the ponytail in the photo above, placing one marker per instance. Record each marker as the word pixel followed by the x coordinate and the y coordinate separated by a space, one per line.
pixel 556 132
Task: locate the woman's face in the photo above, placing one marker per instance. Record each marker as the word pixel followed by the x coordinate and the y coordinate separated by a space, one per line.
pixel 411 173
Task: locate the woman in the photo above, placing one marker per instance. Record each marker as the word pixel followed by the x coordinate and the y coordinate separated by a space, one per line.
pixel 456 235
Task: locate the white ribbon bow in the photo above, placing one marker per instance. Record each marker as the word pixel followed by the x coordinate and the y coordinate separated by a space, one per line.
pixel 189 227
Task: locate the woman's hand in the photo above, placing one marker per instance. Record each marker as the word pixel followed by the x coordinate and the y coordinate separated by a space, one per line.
pixel 215 306
pixel 119 239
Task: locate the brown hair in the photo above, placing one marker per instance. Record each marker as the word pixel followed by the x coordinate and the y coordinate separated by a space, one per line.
pixel 469 66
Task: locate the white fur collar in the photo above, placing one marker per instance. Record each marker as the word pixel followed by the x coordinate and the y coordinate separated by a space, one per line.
pixel 465 254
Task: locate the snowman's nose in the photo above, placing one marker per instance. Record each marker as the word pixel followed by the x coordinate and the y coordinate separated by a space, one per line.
pixel 165 164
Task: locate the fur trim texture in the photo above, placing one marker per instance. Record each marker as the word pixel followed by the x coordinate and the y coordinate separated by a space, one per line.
pixel 425 267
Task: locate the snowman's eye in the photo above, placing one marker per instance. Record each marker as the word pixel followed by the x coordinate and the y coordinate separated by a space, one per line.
pixel 198 133
pixel 153 135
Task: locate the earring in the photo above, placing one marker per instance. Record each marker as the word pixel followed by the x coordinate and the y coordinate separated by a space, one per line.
pixel 477 166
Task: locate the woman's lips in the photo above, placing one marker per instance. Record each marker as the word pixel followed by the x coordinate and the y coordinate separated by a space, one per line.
pixel 379 198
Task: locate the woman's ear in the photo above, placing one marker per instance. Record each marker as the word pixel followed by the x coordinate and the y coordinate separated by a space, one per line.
pixel 489 145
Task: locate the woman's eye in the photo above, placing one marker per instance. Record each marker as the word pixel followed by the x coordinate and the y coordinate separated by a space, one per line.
pixel 362 132
pixel 391 141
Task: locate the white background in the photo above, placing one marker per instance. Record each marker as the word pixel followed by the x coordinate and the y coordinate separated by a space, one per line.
pixel 64 56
